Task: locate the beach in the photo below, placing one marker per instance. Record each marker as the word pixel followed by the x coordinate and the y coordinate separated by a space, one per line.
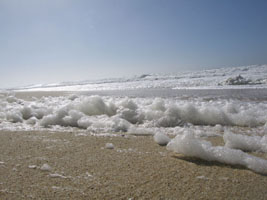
pixel 41 159
pixel 137 168
pixel 133 100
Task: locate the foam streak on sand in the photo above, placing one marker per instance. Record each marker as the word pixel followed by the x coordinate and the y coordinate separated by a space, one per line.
pixel 189 145
pixel 245 143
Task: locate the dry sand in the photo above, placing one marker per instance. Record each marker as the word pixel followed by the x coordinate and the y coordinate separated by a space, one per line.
pixel 137 168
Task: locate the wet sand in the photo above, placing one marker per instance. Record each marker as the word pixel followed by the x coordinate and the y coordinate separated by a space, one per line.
pixel 137 168
pixel 29 96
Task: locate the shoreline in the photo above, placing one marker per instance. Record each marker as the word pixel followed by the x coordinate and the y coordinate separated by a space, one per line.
pixel 137 168
pixel 225 93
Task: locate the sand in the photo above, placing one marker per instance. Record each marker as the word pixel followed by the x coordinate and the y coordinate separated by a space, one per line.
pixel 137 168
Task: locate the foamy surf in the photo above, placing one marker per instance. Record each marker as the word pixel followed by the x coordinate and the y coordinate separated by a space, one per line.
pixel 254 76
pixel 115 114
pixel 149 106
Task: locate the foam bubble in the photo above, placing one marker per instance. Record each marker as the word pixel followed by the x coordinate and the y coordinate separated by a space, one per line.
pixel 140 131
pixel 2 115
pixel 109 146
pixel 95 105
pixel 161 139
pixel 84 122
pixel 72 118
pixel 245 143
pixel 219 128
pixel 14 117
pixel 32 121
pixel 46 167
pixel 26 112
pixel 73 97
pixel 12 99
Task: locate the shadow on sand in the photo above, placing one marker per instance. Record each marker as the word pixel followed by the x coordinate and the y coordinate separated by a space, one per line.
pixel 201 162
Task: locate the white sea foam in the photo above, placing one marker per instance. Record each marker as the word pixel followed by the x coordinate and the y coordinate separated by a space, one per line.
pixel 134 115
pixel 46 167
pixel 95 105
pixel 189 145
pixel 56 175
pixel 140 131
pixel 245 143
pixel 161 139
pixel 109 146
pixel 32 166
pixel 14 116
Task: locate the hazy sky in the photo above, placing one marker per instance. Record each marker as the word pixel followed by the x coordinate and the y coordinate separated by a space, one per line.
pixel 43 41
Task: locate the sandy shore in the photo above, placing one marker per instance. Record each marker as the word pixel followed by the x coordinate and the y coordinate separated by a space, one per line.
pixel 137 168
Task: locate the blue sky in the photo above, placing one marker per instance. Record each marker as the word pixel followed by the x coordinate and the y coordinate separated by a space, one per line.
pixel 46 41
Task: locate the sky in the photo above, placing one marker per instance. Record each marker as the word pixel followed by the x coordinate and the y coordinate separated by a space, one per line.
pixel 50 41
